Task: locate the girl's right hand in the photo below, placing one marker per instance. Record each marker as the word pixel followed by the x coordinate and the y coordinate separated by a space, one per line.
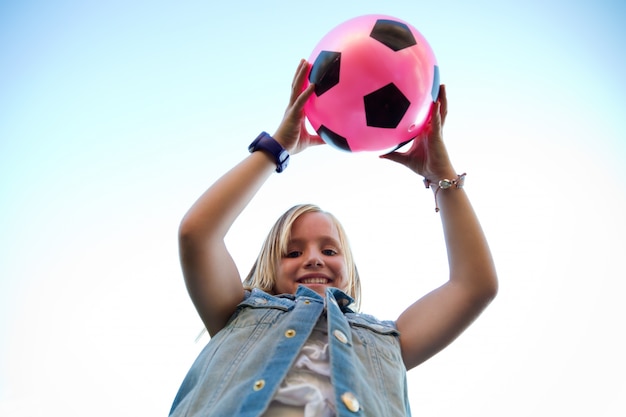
pixel 292 132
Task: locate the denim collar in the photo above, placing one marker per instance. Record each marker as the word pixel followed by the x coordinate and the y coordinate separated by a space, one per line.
pixel 260 297
pixel 342 299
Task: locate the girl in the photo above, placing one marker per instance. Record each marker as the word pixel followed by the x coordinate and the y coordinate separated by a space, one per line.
pixel 288 341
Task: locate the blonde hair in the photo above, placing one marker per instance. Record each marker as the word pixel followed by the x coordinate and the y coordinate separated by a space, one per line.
pixel 264 271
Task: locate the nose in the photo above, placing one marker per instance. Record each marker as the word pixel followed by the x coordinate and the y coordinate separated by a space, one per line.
pixel 313 260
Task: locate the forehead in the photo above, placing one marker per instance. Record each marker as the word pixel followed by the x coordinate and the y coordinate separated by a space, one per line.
pixel 314 224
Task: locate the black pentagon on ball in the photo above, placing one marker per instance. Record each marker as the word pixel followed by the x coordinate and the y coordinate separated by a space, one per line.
pixel 325 71
pixel 396 35
pixel 333 138
pixel 385 107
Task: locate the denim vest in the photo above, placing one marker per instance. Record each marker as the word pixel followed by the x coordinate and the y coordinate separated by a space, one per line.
pixel 242 366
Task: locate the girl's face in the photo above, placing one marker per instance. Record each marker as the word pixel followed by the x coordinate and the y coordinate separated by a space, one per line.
pixel 314 257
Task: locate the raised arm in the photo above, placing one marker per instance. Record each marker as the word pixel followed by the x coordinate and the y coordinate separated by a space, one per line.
pixel 211 276
pixel 436 319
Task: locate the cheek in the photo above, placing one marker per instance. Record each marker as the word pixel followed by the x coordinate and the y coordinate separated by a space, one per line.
pixel 284 273
pixel 286 267
pixel 281 286
pixel 342 270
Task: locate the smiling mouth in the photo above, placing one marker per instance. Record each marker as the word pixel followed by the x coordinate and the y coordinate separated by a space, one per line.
pixel 314 281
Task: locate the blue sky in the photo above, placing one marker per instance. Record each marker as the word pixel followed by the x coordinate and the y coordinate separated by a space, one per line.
pixel 115 116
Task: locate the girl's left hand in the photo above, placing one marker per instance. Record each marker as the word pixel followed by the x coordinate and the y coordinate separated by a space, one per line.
pixel 292 132
pixel 428 155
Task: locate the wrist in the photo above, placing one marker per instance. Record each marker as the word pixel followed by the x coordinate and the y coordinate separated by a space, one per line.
pixel 444 181
pixel 271 147
pixel 278 137
pixel 433 178
pixel 456 181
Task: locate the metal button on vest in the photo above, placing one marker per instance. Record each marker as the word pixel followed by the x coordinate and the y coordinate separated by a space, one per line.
pixel 259 385
pixel 350 401
pixel 340 336
pixel 290 333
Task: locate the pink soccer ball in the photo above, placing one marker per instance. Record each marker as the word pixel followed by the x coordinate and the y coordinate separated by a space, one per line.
pixel 375 80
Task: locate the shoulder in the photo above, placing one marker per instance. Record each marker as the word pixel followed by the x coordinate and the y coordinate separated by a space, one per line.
pixel 256 298
pixel 370 322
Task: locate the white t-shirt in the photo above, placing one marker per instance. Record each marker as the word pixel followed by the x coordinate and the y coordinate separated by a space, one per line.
pixel 307 391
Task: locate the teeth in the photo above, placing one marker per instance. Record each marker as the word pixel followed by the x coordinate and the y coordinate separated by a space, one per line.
pixel 314 281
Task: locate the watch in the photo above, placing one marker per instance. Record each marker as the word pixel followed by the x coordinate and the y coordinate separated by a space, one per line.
pixel 264 142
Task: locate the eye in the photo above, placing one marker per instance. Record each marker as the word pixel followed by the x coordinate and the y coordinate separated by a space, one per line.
pixel 292 254
pixel 329 252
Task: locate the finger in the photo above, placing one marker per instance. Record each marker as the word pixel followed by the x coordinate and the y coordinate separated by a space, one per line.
pixel 435 120
pixel 395 157
pixel 433 113
pixel 443 100
pixel 295 75
pixel 301 75
pixel 298 103
pixel 442 93
pixel 297 82
pixel 316 140
pixel 312 138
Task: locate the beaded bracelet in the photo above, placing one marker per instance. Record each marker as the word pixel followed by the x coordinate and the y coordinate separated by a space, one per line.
pixel 444 184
